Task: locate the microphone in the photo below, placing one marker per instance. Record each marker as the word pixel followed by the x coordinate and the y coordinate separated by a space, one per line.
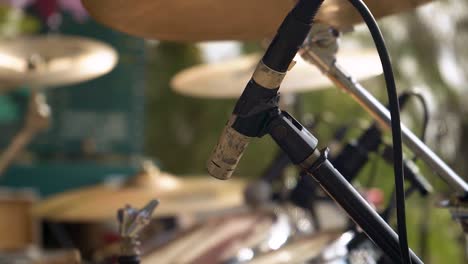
pixel 356 154
pixel 260 95
pixel 411 172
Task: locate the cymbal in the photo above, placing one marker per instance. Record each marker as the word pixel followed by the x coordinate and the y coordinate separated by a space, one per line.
pixel 183 20
pixel 176 195
pixel 228 79
pixel 54 60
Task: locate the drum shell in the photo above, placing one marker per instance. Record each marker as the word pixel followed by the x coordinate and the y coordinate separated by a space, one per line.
pixel 18 228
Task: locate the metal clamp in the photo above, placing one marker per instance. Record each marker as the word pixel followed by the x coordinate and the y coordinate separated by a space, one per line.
pixel 320 160
pixel 131 222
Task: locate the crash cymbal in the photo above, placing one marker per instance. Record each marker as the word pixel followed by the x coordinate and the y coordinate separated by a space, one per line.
pixel 228 79
pixel 176 195
pixel 197 20
pixel 49 61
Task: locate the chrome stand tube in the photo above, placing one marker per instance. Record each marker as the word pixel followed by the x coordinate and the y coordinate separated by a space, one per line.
pixel 320 49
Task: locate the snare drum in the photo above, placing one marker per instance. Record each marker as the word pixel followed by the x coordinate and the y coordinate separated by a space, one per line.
pixel 323 248
pixel 300 251
pixel 229 239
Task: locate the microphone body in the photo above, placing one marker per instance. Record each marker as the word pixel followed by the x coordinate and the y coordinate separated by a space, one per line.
pixel 411 172
pixel 260 95
pixel 355 155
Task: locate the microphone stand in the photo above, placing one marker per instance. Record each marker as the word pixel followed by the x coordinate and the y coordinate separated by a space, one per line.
pixel 320 49
pixel 256 113
pixel 301 147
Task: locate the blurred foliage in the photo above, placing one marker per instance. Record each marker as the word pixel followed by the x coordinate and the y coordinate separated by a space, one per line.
pixel 14 22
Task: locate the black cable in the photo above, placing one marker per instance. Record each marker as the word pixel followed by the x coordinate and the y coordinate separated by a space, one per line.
pixel 423 101
pixel 402 100
pixel 395 120
pixel 424 220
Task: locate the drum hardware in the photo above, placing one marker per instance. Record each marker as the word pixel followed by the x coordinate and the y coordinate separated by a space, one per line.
pixel 260 191
pixel 355 155
pixel 323 56
pixel 351 160
pixel 131 223
pixel 256 114
pixel 358 254
pixel 325 214
pixel 37 120
pixel 334 183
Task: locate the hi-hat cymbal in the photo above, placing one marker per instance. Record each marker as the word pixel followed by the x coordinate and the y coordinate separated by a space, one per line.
pixel 228 79
pixel 197 20
pixel 48 61
pixel 176 195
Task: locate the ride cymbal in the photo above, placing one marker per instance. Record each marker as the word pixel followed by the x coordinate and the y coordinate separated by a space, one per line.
pixel 196 20
pixel 228 79
pixel 49 61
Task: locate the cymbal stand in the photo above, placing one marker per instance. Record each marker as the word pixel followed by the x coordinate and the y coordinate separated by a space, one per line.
pixel 320 49
pixel 131 222
pixel 37 120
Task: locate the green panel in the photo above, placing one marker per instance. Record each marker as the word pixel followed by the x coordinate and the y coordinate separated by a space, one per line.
pixel 107 111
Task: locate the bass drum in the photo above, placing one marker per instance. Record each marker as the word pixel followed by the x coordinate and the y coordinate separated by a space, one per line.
pixel 323 248
pixel 233 238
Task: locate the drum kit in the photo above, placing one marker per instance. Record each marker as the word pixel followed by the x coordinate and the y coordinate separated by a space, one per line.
pixel 229 221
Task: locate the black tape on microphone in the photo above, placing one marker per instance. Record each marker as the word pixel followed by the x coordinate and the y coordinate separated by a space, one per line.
pixel 251 113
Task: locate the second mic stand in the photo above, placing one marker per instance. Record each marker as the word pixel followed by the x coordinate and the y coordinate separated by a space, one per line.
pixel 320 49
pixel 301 147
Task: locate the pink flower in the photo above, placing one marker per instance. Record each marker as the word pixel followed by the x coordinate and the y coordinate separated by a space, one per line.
pixel 48 7
pixel 75 8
